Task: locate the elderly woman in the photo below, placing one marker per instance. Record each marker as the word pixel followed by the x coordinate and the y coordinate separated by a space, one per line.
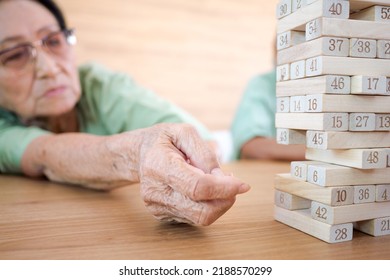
pixel 96 128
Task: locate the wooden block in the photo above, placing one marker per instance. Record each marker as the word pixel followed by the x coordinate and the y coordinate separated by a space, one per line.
pixel 301 220
pixel 382 122
pixel 290 202
pixel 283 104
pixel 388 85
pixel 289 38
pixel 348 213
pixel 333 196
pixel 365 48
pixel 351 66
pixel 358 5
pixel 388 157
pixel 317 121
pixel 298 170
pixel 283 8
pixel 374 227
pixel 297 104
pixel 283 72
pixel 364 194
pixel 297 70
pixel 347 103
pixel 358 158
pixel 361 122
pixel 368 85
pixel 382 193
pixel 297 4
pixel 331 46
pixel 374 13
pixel 320 8
pixel 330 140
pixel 327 175
pixel 383 50
pixel 287 136
pixel 328 84
pixel 335 27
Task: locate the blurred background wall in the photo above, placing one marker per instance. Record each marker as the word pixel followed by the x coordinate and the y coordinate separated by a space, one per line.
pixel 199 54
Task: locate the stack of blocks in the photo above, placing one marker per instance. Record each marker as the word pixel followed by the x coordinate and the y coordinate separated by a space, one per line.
pixel 333 95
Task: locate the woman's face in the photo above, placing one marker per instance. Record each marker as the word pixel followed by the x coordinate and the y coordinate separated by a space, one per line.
pixel 45 86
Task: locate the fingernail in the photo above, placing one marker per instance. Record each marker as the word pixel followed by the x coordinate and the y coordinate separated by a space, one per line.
pixel 244 188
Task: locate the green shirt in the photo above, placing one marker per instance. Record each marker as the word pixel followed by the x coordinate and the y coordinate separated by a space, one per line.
pixel 255 114
pixel 110 103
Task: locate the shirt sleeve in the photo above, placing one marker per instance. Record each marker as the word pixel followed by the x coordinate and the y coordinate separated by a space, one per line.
pixel 119 104
pixel 14 139
pixel 255 115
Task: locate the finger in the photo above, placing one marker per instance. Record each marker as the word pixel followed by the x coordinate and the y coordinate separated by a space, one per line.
pixel 174 206
pixel 199 186
pixel 188 141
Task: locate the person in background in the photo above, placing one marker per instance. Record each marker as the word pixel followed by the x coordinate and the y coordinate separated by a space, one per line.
pixel 253 127
pixel 90 126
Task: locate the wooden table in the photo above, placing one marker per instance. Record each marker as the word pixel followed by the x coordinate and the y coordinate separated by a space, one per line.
pixel 43 220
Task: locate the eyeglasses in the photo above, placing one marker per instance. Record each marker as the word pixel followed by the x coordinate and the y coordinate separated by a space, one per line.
pixel 57 43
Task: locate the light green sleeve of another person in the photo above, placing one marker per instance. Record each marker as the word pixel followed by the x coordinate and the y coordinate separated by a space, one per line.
pixel 113 103
pixel 14 139
pixel 255 115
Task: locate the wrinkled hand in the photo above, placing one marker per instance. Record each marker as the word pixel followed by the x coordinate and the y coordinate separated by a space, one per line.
pixel 181 179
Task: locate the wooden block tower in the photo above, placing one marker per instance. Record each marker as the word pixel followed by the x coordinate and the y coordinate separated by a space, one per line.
pixel 333 95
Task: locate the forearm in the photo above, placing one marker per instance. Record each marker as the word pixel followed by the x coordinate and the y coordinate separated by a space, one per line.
pixel 100 162
pixel 267 148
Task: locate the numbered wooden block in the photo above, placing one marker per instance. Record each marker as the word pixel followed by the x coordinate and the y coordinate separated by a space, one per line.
pixel 327 84
pixel 313 29
pixel 348 213
pixel 290 202
pixel 374 227
pixel 368 85
pixel 283 72
pixel 358 158
pixel 318 121
pixel 364 194
pixel 328 175
pixel 297 70
pixel 382 122
pixel 361 122
pixel 283 8
pixel 297 104
pixel 313 103
pixel 362 48
pixel 388 86
pixel 287 136
pixel 321 8
pixel 382 193
pixel 283 104
pixel 374 13
pixel 301 220
pixel 330 46
pixel 314 66
pixel 383 50
pixel 347 103
pixel 316 174
pixel 331 140
pixel 335 27
pixel 297 4
pixel 298 170
pixel 289 39
pixel 388 157
pixel 333 196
